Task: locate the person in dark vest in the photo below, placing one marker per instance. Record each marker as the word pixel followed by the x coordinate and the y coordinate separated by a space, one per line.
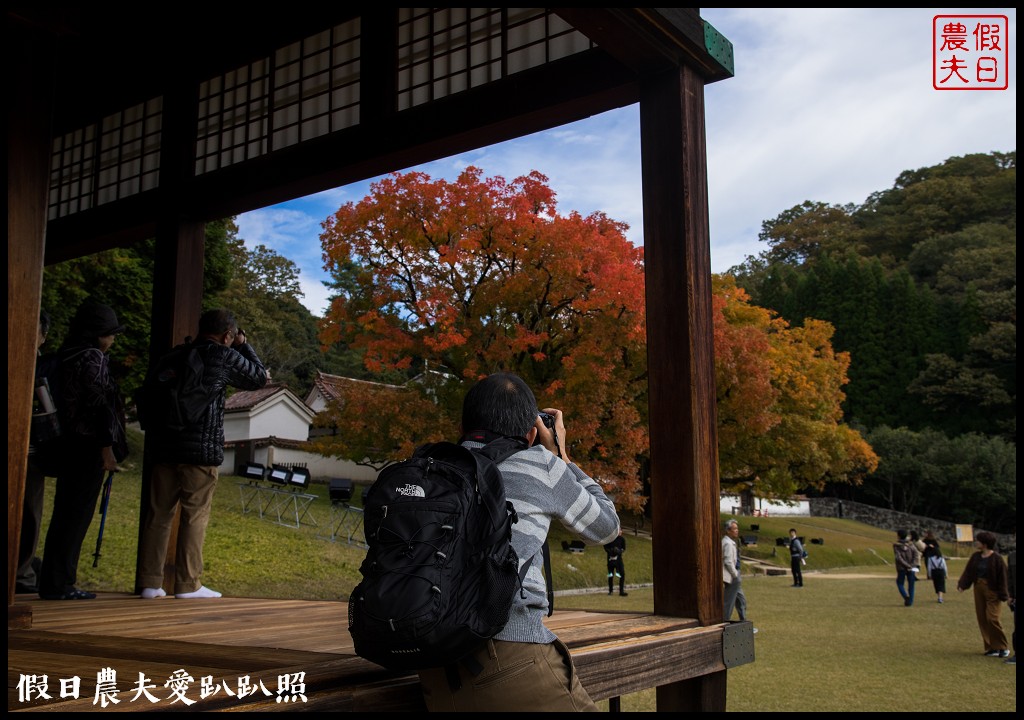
pixel 92 443
pixel 616 568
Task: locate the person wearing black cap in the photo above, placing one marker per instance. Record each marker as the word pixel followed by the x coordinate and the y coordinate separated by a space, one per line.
pixel 93 436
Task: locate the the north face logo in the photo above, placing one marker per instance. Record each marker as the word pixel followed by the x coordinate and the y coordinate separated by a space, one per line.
pixel 411 491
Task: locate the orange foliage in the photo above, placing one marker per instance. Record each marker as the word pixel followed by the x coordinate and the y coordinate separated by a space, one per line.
pixel 378 424
pixel 480 275
pixel 779 401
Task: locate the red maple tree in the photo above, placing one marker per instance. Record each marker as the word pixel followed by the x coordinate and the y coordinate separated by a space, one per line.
pixel 483 275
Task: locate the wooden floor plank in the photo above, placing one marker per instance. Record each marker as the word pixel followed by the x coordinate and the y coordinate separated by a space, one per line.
pixel 229 639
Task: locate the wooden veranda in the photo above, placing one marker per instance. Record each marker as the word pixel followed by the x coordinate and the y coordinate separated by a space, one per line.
pixel 239 643
pixel 124 126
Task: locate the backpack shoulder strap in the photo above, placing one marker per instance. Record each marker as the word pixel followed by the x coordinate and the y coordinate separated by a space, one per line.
pixel 497 451
pixel 502 448
pixel 548 580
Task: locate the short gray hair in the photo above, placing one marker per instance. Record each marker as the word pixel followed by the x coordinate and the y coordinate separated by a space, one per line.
pixel 730 523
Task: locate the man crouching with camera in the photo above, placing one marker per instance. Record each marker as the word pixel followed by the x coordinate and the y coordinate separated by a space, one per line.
pixel 526 667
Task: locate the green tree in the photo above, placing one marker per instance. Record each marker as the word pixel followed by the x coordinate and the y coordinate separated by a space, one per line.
pixel 264 294
pixel 968 478
pixel 123 279
pixel 779 392
pixel 806 231
pixel 920 285
pixel 972 382
pixel 937 200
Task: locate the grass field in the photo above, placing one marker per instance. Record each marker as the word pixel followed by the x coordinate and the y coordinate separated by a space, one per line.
pixel 843 643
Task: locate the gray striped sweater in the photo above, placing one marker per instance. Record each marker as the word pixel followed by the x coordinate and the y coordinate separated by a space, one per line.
pixel 541 486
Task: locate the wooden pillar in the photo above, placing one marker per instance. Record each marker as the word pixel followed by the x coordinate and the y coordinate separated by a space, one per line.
pixel 29 54
pixel 684 443
pixel 178 267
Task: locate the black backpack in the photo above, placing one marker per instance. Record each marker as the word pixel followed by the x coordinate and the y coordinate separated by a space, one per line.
pixel 440 572
pixel 45 435
pixel 173 395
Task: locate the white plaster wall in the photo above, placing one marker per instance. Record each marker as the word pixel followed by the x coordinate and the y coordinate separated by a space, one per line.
pixel 236 426
pixel 320 467
pixel 730 504
pixel 278 420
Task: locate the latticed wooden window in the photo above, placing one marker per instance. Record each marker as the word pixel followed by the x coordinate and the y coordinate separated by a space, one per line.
pixel 443 51
pixel 304 90
pixel 108 160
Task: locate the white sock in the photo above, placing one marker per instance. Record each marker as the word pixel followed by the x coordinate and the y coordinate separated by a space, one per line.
pixel 152 593
pixel 202 592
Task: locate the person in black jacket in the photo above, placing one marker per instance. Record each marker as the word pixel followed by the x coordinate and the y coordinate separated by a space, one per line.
pixel 92 443
pixel 186 462
pixel 616 568
pixel 796 558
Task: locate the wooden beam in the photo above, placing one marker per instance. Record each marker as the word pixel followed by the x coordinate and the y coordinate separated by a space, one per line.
pixel 177 303
pixel 29 55
pixel 650 40
pixel 178 270
pixel 570 89
pixel 684 451
pixel 633 664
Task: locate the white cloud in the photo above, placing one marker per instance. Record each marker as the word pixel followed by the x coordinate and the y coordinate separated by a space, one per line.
pixel 831 106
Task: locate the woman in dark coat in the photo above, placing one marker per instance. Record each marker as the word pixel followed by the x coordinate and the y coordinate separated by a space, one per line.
pixel 935 564
pixel 92 443
pixel 986 571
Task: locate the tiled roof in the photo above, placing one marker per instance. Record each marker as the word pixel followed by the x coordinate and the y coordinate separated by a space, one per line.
pixel 269 441
pixel 333 387
pixel 246 399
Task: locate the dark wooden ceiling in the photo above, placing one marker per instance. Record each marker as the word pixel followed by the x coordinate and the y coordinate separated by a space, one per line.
pixel 109 58
pixel 110 55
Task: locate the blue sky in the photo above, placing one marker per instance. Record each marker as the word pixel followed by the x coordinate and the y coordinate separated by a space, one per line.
pixel 828 105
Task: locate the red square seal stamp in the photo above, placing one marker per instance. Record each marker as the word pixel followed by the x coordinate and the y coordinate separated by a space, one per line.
pixel 970 52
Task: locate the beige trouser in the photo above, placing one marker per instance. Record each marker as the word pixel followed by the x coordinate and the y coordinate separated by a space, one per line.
pixel 192 487
pixel 989 608
pixel 516 677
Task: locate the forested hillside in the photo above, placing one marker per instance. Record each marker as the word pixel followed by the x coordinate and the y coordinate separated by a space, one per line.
pixel 920 283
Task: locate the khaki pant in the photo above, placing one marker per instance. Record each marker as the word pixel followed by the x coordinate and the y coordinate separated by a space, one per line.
pixel 192 486
pixel 516 677
pixel 988 607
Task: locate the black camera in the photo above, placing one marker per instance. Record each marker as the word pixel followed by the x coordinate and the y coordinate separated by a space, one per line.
pixel 549 423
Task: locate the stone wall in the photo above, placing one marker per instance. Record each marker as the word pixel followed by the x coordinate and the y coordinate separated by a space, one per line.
pixel 893 520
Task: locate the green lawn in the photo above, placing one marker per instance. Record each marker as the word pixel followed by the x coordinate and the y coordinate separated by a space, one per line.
pixel 844 642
